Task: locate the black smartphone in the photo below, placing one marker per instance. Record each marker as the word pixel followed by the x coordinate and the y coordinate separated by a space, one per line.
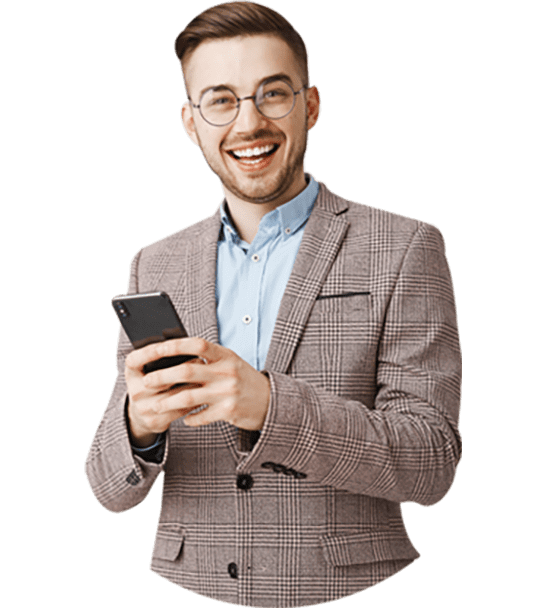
pixel 148 318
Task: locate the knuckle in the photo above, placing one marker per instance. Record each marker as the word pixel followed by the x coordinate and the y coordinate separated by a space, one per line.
pixel 185 400
pixel 200 346
pixel 186 373
pixel 152 379
pixel 230 407
pixel 157 406
pixel 234 367
pixel 130 362
pixel 161 349
pixel 232 386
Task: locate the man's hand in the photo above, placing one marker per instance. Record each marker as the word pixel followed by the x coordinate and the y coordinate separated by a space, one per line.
pixel 233 390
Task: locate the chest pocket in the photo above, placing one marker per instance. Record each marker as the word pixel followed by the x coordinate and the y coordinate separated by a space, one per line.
pixel 337 350
pixel 338 314
pixel 341 305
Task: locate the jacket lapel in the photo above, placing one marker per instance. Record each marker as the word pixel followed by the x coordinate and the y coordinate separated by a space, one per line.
pixel 196 294
pixel 197 297
pixel 323 236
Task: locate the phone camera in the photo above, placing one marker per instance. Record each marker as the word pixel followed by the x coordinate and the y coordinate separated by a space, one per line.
pixel 121 310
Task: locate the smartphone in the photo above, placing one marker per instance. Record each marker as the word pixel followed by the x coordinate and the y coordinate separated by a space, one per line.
pixel 148 318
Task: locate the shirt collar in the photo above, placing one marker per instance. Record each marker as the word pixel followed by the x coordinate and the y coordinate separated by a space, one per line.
pixel 287 218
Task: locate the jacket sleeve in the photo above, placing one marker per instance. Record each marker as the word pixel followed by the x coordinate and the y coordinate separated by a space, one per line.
pixel 119 478
pixel 405 446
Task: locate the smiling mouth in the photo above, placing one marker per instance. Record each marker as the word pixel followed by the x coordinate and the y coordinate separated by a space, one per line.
pixel 253 156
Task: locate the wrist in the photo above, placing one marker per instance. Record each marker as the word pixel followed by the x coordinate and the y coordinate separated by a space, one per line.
pixel 142 441
pixel 138 437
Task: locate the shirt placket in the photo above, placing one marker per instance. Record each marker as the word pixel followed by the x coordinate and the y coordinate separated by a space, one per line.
pixel 257 260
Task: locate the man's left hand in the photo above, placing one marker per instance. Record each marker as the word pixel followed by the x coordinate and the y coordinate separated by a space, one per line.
pixel 233 390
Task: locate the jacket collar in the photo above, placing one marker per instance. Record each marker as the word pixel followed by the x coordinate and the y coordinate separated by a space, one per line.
pixel 324 233
pixel 196 294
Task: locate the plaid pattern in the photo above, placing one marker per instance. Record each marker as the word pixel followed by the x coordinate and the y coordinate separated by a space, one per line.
pixel 365 373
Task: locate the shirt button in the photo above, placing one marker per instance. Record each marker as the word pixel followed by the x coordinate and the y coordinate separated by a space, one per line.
pixel 255 258
pixel 247 319
pixel 288 231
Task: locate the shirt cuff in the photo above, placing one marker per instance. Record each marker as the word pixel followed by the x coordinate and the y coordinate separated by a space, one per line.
pixel 154 452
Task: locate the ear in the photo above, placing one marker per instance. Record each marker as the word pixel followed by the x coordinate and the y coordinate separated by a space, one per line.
pixel 313 106
pixel 189 123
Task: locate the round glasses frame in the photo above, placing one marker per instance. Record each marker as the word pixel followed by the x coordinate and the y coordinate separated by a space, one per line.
pixel 257 99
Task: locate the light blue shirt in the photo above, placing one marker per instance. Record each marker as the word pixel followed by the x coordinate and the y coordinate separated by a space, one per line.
pixel 251 278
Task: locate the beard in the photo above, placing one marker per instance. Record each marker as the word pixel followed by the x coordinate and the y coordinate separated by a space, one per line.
pixel 259 189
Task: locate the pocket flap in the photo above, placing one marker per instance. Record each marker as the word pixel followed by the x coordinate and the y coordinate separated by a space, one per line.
pixel 169 541
pixel 366 547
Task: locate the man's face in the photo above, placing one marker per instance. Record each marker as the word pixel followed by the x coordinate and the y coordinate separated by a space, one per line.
pixel 242 64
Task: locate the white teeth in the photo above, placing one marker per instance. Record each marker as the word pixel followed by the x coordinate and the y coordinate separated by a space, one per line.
pixel 249 152
pixel 252 162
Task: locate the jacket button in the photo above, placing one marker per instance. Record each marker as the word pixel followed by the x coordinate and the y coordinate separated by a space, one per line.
pixel 244 482
pixel 233 570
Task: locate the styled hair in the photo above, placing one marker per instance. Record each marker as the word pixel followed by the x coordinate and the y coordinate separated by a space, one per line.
pixel 240 19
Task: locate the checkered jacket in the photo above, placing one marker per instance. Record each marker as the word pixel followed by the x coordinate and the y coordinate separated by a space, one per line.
pixel 365 371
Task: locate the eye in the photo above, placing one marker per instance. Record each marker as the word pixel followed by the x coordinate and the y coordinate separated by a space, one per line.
pixel 275 94
pixel 221 101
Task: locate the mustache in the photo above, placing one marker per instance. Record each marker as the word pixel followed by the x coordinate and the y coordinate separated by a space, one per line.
pixel 256 136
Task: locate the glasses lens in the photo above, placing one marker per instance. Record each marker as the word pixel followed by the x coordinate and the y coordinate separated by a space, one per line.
pixel 275 99
pixel 219 106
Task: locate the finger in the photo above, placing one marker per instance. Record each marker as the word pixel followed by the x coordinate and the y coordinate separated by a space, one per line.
pixel 184 398
pixel 204 417
pixel 189 372
pixel 178 346
pixel 204 349
pixel 188 346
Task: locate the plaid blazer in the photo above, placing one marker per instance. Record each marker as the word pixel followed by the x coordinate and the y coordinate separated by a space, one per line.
pixel 365 371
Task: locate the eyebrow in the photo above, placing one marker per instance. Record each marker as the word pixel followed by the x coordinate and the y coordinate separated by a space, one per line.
pixel 221 87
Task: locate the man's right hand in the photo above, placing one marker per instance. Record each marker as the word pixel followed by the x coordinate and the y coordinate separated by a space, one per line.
pixel 146 418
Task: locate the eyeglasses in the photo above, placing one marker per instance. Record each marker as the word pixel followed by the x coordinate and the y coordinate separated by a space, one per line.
pixel 274 99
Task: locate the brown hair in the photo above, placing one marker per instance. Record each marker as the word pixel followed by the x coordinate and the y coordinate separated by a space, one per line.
pixel 240 19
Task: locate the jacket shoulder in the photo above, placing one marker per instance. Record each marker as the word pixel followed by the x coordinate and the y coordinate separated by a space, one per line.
pixel 163 263
pixel 366 219
pixel 178 239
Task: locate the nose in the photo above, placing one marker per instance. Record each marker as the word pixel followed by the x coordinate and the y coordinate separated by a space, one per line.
pixel 249 118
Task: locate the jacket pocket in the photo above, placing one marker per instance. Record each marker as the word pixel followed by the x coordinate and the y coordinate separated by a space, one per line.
pixel 367 547
pixel 169 541
pixel 344 294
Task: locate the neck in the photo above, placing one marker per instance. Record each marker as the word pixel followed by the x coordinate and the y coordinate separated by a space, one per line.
pixel 246 215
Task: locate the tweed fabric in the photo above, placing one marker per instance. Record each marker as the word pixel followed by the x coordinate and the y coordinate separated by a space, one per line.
pixel 365 372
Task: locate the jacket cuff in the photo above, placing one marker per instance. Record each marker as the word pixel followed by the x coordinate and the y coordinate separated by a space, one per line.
pixel 286 435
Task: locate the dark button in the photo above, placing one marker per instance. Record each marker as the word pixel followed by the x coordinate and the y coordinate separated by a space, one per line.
pixel 133 478
pixel 244 482
pixel 233 570
pixel 280 468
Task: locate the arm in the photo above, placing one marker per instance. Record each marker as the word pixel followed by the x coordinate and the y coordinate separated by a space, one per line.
pixel 404 448
pixel 119 478
pixel 407 446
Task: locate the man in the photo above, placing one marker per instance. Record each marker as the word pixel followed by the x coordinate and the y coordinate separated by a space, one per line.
pixel 326 389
